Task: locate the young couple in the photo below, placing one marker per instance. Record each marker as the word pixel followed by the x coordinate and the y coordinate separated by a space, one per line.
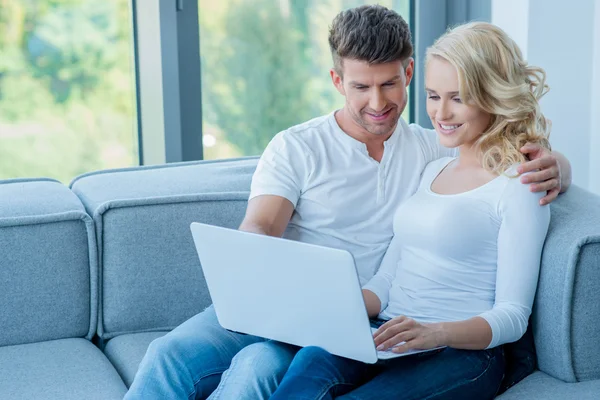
pixel 444 228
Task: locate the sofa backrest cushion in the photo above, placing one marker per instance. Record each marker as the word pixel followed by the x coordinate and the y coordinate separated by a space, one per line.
pixel 48 270
pixel 150 275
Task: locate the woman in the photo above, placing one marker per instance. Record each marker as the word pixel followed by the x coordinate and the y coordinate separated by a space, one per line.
pixel 463 266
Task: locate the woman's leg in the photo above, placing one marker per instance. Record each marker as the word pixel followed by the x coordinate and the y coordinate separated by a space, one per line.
pixel 450 374
pixel 255 371
pixel 317 374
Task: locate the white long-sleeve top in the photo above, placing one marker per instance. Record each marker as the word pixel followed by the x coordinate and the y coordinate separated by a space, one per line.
pixel 454 257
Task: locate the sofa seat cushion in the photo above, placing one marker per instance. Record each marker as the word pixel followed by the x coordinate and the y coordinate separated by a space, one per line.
pixel 125 352
pixel 61 369
pixel 544 387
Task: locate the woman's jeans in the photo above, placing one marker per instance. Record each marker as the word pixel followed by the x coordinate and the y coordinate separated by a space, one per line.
pixel 199 359
pixel 447 374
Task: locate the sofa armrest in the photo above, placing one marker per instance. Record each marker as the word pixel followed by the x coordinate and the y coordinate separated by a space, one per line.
pixel 48 264
pixel 567 305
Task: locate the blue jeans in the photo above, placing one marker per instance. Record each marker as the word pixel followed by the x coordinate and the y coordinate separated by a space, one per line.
pixel 198 357
pixel 449 374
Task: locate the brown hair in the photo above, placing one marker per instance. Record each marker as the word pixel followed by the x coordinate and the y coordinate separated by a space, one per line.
pixel 370 33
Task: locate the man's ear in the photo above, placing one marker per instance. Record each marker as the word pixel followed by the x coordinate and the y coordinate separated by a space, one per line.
pixel 337 80
pixel 409 70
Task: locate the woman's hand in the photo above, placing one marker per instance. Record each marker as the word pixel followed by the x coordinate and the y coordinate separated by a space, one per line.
pixel 415 335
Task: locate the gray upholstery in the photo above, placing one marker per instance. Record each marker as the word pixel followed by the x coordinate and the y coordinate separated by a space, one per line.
pixel 67 369
pixel 23 198
pixel 125 352
pixel 543 387
pixel 117 250
pixel 48 297
pixel 48 266
pixel 566 311
pixel 150 276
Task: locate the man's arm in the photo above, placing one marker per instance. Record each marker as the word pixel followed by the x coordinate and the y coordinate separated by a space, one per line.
pixel 267 215
pixel 551 171
pixel 565 171
pixel 372 303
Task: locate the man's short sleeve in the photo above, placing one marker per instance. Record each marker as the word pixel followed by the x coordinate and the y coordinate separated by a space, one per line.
pixel 282 169
pixel 430 144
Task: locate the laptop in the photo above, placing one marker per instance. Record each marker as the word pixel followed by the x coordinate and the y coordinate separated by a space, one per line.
pixel 288 291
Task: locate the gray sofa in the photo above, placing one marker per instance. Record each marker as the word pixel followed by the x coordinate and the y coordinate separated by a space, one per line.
pixel 90 274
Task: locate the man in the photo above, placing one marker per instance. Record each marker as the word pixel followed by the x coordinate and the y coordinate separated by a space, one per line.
pixel 335 181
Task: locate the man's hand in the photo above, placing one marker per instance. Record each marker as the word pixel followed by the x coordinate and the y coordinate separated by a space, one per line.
pixel 547 176
pixel 414 334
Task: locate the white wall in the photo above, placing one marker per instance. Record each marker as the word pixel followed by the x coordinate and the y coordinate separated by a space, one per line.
pixel 513 17
pixel 564 39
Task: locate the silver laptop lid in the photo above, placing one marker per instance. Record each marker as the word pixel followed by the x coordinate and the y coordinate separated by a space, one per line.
pixel 289 291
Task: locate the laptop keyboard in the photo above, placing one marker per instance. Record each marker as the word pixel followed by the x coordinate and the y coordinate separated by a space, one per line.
pixel 381 353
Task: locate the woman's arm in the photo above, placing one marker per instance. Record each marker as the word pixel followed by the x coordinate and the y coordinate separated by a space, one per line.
pixel 472 334
pixel 376 291
pixel 521 236
pixel 550 171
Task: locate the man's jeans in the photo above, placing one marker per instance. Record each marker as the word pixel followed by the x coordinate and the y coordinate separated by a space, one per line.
pixel 449 374
pixel 189 362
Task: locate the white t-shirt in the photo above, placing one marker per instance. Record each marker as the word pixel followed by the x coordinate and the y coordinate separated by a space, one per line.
pixel 343 198
pixel 454 257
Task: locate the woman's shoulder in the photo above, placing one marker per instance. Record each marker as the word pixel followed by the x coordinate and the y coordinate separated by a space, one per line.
pixel 517 194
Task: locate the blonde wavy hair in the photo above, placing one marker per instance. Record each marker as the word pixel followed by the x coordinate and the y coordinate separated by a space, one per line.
pixel 493 76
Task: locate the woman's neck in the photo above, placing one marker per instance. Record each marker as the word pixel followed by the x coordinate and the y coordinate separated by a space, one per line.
pixel 468 157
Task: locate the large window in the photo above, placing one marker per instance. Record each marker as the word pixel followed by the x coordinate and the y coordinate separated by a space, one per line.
pixel 265 67
pixel 67 87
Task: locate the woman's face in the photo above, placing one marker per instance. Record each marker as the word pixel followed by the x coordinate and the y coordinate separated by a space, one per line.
pixel 456 123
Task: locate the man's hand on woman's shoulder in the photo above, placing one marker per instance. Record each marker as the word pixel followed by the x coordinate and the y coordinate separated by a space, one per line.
pixel 550 171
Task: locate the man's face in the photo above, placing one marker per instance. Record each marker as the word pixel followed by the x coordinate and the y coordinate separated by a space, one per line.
pixel 375 94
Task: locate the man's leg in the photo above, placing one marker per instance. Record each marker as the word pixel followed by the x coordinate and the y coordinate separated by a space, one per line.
pixel 255 371
pixel 450 374
pixel 187 363
pixel 317 374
